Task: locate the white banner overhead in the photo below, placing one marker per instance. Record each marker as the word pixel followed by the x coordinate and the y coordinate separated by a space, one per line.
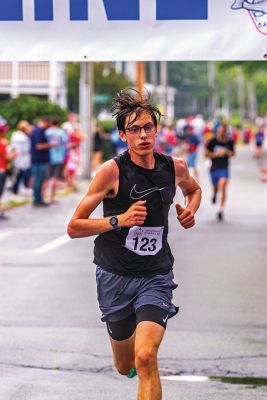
pixel 113 30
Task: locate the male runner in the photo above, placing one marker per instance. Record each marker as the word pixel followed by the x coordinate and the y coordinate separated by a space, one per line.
pixel 134 262
pixel 219 149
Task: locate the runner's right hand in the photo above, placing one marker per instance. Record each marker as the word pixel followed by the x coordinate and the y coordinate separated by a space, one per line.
pixel 135 215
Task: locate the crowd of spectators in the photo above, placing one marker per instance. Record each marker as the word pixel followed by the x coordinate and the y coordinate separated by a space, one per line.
pixel 39 159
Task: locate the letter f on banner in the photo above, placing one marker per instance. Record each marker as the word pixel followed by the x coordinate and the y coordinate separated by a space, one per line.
pixel 182 9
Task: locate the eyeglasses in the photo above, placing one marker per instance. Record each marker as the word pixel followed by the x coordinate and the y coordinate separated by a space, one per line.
pixel 136 129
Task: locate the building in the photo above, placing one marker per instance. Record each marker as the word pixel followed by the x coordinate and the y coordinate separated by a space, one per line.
pixel 43 79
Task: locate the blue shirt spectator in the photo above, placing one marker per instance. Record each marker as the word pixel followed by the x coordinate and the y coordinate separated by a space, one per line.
pixel 59 138
pixel 38 137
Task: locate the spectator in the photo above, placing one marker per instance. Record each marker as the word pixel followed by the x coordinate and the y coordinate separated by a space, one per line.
pixel 247 133
pixel 97 157
pixel 193 142
pixel 40 160
pixel 118 146
pixel 259 148
pixel 21 142
pixel 6 155
pixel 72 163
pixel 58 139
pixel 76 136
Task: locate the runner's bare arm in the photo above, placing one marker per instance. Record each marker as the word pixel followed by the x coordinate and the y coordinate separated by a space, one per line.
pixel 191 191
pixel 105 184
pixel 213 154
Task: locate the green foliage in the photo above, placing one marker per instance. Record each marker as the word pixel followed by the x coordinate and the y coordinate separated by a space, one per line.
pixel 107 125
pixel 29 108
pixel 255 71
pixel 248 67
pixel 236 120
pixel 191 82
pixel 261 90
pixel 73 78
pixel 107 82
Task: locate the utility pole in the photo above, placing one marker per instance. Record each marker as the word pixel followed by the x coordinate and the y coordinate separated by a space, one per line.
pixel 228 96
pixel 164 85
pixel 212 86
pixel 140 76
pixel 241 92
pixel 252 101
pixel 86 114
pixel 153 74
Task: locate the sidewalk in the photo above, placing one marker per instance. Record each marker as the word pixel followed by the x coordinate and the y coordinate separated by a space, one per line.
pixel 10 200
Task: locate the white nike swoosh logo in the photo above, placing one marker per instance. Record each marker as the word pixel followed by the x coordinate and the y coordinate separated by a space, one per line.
pixel 165 319
pixel 136 195
pixel 110 331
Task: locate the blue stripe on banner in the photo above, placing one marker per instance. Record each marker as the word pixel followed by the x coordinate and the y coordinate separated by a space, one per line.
pixel 182 9
pixel 43 10
pixel 78 10
pixel 11 10
pixel 122 10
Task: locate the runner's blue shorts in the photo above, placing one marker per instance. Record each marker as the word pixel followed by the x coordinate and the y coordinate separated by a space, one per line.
pixel 120 296
pixel 218 174
pixel 192 160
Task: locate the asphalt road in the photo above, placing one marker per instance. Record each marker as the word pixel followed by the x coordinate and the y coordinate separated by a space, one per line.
pixel 53 345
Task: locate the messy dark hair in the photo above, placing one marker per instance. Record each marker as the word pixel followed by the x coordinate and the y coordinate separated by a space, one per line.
pixel 131 102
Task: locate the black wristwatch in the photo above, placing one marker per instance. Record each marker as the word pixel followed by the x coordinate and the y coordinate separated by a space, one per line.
pixel 114 222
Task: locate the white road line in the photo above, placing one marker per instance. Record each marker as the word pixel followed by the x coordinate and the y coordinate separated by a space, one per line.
pixel 5 235
pixel 52 245
pixel 186 378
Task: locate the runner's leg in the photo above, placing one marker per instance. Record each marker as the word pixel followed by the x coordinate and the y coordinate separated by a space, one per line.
pixel 214 196
pixel 123 354
pixel 147 340
pixel 222 188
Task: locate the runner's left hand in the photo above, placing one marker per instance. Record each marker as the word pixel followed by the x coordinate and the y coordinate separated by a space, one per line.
pixel 185 216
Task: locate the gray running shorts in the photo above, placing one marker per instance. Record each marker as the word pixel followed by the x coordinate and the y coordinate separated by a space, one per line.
pixel 120 296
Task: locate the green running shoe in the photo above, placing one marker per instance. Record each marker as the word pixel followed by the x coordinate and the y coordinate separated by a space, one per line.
pixel 132 373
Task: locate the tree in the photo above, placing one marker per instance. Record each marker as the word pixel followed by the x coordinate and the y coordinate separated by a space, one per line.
pixel 255 76
pixel 73 77
pixel 191 81
pixel 29 108
pixel 107 82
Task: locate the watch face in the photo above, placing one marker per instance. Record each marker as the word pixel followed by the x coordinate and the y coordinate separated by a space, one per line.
pixel 113 221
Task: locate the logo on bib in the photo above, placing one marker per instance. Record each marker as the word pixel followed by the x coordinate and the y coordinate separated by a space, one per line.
pixel 137 195
pixel 257 9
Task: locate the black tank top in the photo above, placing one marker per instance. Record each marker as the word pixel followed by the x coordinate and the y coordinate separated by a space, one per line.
pixel 141 250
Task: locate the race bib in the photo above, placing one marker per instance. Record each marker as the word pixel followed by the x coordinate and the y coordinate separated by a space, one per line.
pixel 145 241
pixel 218 149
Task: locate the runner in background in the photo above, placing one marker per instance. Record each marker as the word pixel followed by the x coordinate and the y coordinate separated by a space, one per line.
pixel 259 145
pixel 193 142
pixel 220 149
